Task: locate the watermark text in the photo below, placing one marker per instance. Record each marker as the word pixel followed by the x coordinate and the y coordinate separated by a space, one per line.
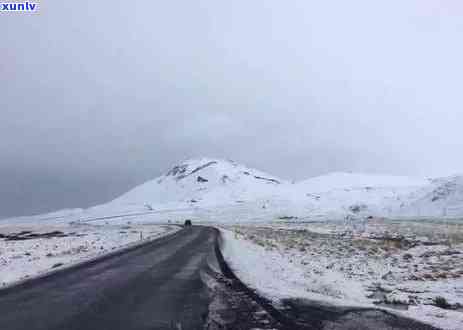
pixel 18 6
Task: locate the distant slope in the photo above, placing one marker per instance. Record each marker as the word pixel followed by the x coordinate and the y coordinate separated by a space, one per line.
pixel 353 194
pixel 443 197
pixel 342 180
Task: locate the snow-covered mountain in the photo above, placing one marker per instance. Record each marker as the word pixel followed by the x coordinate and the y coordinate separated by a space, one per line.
pixel 343 180
pixel 341 194
pixel 206 182
pixel 209 184
pixel 223 190
pixel 206 189
pixel 442 197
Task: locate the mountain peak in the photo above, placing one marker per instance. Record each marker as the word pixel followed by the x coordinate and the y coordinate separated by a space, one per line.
pixel 204 180
pixel 193 165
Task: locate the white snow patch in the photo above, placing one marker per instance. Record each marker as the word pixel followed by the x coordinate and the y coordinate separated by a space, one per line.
pixel 21 259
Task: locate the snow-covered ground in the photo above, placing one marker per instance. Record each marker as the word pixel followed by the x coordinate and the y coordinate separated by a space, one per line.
pixel 411 267
pixel 27 250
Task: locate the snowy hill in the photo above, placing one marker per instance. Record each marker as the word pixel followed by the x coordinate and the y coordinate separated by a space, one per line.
pixel 341 194
pixel 341 180
pixel 205 181
pixel 443 197
pixel 223 190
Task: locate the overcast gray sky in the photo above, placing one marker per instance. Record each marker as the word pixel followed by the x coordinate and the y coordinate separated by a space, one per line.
pixel 98 96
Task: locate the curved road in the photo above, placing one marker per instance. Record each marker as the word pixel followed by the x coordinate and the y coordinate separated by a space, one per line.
pixel 175 282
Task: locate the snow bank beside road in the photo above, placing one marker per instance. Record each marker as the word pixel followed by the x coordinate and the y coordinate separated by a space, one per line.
pixel 28 250
pixel 418 275
pixel 276 276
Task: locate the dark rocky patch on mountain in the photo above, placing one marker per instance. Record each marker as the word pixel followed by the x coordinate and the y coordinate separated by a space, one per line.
pixel 267 179
pixel 201 179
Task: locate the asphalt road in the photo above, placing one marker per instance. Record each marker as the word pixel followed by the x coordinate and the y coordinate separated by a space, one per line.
pixel 176 282
pixel 157 286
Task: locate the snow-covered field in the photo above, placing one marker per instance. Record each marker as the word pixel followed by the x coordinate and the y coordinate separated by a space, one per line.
pixel 28 250
pixel 411 267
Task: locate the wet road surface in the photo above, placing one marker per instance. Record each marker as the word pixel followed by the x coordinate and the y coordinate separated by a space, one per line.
pixel 157 286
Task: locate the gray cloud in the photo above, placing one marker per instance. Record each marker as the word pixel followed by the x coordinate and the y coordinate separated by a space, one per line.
pixel 96 97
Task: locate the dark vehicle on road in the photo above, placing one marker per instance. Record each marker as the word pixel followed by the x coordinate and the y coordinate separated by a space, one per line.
pixel 187 223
